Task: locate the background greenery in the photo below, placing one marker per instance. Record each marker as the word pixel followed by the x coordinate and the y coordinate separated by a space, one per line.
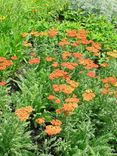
pixel 92 129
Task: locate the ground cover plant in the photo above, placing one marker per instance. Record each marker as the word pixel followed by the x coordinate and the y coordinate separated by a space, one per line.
pixel 58 83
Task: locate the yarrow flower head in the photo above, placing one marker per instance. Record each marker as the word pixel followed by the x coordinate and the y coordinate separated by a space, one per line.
pixel 52 130
pixel 40 121
pixel 34 61
pixel 24 113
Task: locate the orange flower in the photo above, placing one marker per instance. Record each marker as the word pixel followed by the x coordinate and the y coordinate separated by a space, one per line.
pixel 58 74
pixel 2 59
pixel 113 53
pixel 57 101
pixel 51 97
pixel 105 91
pixel 69 65
pixel 82 34
pixel 2 83
pixel 52 130
pixel 34 61
pixel 26 44
pixel 84 41
pixel 55 64
pixel 73 99
pixel 28 109
pixel 88 95
pixel 40 120
pixel 7 63
pixel 67 89
pixel 2 67
pixel 4 63
pixel 59 111
pixel 35 33
pixel 91 74
pixel 23 113
pixel 69 107
pixel 72 83
pixel 111 80
pixel 25 34
pixel 43 34
pixel 56 122
pixel 94 50
pixel 66 54
pixel 96 45
pixel 77 55
pixel 52 33
pixel 14 57
pixel 74 44
pixel 104 65
pixel 49 59
pixel 72 33
pixel 63 42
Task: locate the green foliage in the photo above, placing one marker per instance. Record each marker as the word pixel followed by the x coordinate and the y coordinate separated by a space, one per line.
pixel 14 140
pixel 92 128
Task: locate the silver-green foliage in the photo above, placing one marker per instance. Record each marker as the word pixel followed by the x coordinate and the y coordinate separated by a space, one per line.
pixel 107 8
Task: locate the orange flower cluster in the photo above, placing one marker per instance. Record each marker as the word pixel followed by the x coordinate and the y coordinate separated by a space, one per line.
pixel 55 64
pixel 112 54
pixel 75 44
pixel 27 44
pixel 95 48
pixel 34 61
pixel 2 83
pixel 4 63
pixel 58 74
pixel 82 34
pixel 56 100
pixel 25 34
pixel 63 42
pixel 66 55
pixel 105 91
pixel 91 74
pixel 77 55
pixel 104 64
pixel 109 80
pixel 67 89
pixel 35 33
pixel 67 108
pixel 72 100
pixel 51 97
pixel 49 59
pixel 88 95
pixel 72 83
pixel 69 65
pixel 14 58
pixel 40 121
pixel 72 33
pixel 23 113
pixel 89 64
pixel 52 130
pixel 52 33
pixel 56 122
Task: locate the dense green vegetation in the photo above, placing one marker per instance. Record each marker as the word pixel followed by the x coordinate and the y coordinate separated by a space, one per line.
pixel 58 80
